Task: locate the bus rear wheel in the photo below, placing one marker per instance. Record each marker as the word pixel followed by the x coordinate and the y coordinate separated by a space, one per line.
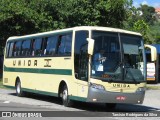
pixel 65 98
pixel 19 91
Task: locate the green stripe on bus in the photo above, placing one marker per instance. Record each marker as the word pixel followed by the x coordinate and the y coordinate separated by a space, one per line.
pixel 78 98
pixel 48 93
pixel 53 94
pixel 40 92
pixel 8 86
pixel 39 70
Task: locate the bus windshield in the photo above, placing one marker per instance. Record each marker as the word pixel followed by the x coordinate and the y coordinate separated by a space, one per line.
pixel 117 57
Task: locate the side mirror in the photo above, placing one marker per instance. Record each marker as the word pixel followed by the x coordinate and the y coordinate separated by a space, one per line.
pixel 153 52
pixel 90 46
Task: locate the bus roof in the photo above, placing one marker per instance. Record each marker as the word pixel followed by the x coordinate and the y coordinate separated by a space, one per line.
pixel 76 28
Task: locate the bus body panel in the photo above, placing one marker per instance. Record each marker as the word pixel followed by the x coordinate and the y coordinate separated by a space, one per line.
pixel 95 95
pixel 38 77
pixel 119 87
pixel 116 93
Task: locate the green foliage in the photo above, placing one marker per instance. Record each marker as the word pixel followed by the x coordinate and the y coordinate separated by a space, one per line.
pixel 143 28
pixel 155 32
pixel 1 84
pixel 148 13
pixel 140 20
pixel 1 50
pixel 20 17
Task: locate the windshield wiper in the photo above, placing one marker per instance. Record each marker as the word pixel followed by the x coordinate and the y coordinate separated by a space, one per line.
pixel 130 74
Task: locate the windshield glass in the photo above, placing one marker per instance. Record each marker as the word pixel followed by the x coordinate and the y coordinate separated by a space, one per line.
pixel 117 57
pixel 106 59
pixel 133 57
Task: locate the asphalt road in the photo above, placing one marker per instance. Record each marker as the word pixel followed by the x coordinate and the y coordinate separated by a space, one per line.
pixel 33 103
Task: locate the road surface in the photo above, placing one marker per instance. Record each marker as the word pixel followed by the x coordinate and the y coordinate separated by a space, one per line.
pixel 32 102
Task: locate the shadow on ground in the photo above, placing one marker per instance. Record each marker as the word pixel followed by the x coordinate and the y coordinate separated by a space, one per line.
pixel 92 106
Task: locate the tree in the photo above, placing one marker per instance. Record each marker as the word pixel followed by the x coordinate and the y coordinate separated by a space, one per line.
pixel 148 13
pixel 155 32
pixel 139 20
pixel 20 17
pixel 142 27
pixel 97 12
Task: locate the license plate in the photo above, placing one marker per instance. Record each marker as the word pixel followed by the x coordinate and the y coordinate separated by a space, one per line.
pixel 121 98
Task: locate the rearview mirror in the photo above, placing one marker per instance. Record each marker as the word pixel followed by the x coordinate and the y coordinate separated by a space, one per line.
pixel 90 46
pixel 153 52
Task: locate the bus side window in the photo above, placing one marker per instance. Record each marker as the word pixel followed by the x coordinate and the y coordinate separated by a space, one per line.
pixel 7 49
pixel 10 54
pixel 68 44
pixel 36 47
pixel 64 45
pixel 60 45
pixel 26 47
pixel 32 47
pixel 44 45
pixel 51 45
pixel 14 50
pixel 18 48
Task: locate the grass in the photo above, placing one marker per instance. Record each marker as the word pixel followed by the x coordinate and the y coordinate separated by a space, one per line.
pixel 152 87
pixel 1 83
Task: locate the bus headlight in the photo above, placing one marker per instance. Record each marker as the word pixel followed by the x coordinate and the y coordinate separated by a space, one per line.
pixel 97 86
pixel 141 89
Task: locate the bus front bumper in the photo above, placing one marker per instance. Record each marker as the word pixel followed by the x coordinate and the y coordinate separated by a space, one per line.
pixel 103 96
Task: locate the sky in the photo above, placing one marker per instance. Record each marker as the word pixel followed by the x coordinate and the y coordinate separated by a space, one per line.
pixel 154 3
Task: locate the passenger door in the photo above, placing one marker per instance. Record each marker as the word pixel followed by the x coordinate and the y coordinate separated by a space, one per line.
pixel 81 63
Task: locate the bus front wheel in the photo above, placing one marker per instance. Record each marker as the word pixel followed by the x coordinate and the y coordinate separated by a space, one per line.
pixel 19 91
pixel 65 98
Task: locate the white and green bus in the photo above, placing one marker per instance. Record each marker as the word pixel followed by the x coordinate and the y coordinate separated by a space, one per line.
pixel 87 63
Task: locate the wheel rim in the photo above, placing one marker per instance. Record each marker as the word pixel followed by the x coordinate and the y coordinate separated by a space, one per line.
pixel 65 93
pixel 18 88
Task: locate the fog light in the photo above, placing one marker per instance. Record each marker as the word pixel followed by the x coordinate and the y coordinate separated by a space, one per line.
pixel 94 100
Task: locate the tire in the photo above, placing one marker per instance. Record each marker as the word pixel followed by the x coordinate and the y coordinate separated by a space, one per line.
pixel 110 106
pixel 19 91
pixel 65 98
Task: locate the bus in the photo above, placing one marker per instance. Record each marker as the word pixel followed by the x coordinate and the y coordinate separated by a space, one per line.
pixel 153 67
pixel 68 64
